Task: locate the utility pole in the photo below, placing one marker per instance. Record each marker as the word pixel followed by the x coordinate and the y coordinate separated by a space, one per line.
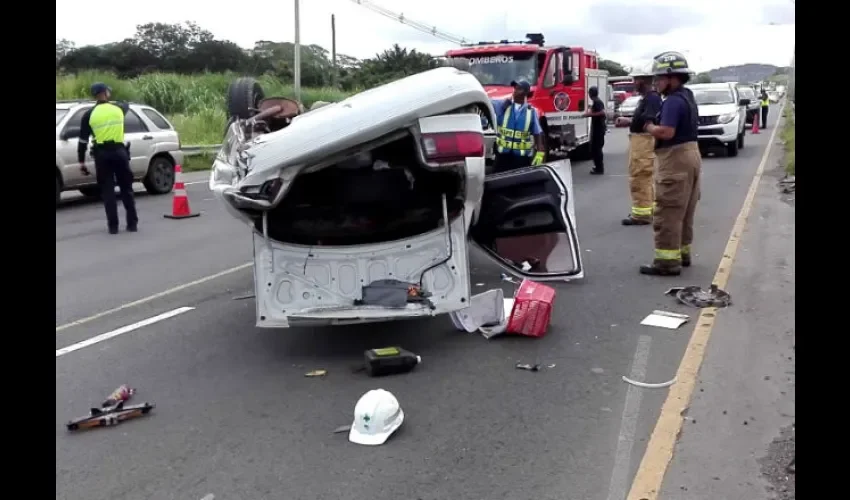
pixel 297 53
pixel 335 74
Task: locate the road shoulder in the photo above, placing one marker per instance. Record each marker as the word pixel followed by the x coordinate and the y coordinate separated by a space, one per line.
pixel 734 441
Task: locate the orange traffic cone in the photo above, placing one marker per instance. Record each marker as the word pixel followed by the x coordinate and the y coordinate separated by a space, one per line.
pixel 756 122
pixel 180 204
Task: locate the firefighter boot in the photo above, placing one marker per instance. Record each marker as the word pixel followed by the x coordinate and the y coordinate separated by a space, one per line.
pixel 631 220
pixel 662 268
pixel 686 256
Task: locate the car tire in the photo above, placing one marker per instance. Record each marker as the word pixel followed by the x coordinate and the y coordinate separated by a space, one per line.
pixel 732 148
pixel 243 97
pixel 90 191
pixel 160 176
pixel 741 140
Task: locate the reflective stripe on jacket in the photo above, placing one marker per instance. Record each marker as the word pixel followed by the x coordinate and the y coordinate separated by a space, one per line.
pixel 107 123
pixel 515 132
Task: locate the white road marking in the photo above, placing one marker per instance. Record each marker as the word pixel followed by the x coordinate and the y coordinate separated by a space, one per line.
pixel 121 331
pixel 196 182
pixel 618 487
pixel 155 296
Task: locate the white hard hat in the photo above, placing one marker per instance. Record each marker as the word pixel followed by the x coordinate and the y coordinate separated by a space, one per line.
pixel 376 416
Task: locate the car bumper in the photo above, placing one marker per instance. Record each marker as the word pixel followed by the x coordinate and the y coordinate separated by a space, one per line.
pixel 718 134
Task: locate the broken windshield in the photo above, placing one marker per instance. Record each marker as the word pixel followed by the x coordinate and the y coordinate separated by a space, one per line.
pixel 502 69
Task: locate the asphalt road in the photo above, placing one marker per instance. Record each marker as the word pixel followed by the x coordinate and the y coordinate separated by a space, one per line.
pixel 236 418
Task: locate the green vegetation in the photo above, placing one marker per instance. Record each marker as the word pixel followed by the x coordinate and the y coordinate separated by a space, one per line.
pixel 788 137
pixel 193 103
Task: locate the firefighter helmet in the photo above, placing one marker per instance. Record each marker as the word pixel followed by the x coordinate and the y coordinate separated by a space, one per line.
pixel 670 63
pixel 642 72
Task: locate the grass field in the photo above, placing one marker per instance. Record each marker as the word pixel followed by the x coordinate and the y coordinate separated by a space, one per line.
pixel 788 137
pixel 194 104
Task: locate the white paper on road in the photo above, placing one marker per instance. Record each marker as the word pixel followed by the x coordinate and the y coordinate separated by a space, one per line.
pixel 665 319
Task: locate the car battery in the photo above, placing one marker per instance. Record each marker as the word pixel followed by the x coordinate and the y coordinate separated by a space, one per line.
pixel 532 309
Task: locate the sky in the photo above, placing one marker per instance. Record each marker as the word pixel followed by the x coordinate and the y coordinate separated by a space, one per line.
pixel 711 33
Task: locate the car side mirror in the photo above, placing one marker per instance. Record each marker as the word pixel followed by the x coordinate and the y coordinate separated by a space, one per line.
pixel 744 102
pixel 70 132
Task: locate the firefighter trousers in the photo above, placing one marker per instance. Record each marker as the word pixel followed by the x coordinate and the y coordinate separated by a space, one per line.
pixel 677 191
pixel 641 167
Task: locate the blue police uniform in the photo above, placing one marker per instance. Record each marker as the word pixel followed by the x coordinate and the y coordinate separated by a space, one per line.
pixel 105 121
pixel 516 127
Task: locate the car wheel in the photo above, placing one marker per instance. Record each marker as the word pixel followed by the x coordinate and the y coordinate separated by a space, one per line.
pixel 732 148
pixel 243 97
pixel 160 176
pixel 741 140
pixel 90 191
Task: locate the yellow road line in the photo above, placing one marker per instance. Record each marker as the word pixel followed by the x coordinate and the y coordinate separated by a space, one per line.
pixel 155 296
pixel 659 451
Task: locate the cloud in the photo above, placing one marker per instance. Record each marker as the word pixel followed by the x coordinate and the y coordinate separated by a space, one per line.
pixel 640 19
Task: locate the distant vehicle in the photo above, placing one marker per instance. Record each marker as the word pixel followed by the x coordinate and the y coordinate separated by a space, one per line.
pixel 753 107
pixel 722 115
pixel 154 149
pixel 628 107
pixel 624 87
pixel 773 96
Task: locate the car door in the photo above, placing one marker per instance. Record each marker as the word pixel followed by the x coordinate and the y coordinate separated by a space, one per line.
pixel 526 223
pixel 141 142
pixel 66 149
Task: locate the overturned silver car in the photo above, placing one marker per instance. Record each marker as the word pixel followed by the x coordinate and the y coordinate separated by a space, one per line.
pixel 387 186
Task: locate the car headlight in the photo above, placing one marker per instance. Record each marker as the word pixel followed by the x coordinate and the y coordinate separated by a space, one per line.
pixel 728 117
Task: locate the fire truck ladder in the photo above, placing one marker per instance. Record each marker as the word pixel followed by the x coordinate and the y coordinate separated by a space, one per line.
pixel 424 28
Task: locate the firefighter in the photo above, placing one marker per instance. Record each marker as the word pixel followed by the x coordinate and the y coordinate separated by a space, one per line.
pixel 765 107
pixel 641 150
pixel 518 131
pixel 598 129
pixel 677 187
pixel 105 121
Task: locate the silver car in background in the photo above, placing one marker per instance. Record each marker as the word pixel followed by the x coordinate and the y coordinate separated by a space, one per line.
pixel 154 149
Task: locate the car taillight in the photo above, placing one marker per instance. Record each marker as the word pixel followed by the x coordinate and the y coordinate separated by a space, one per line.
pixel 452 146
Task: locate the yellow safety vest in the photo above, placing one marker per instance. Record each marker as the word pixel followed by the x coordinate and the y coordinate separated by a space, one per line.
pixel 515 139
pixel 765 103
pixel 107 123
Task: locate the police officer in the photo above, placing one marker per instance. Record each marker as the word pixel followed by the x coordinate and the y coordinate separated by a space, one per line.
pixel 677 187
pixel 642 150
pixel 598 129
pixel 765 107
pixel 105 121
pixel 518 131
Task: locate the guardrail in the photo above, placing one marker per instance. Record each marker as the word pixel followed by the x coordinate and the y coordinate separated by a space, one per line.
pixel 198 150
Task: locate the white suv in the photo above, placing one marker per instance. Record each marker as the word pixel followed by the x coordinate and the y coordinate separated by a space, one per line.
pixel 722 116
pixel 154 149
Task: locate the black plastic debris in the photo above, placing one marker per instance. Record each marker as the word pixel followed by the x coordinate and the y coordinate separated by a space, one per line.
pixel 695 296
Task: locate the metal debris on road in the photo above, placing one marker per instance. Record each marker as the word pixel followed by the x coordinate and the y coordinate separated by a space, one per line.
pixel 243 297
pixel 528 367
pixel 646 385
pixel 342 428
pixel 316 373
pixel 788 184
pixel 697 297
pixel 665 319
pixel 112 411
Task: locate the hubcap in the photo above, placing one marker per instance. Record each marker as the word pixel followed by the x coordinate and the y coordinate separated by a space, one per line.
pixel 163 175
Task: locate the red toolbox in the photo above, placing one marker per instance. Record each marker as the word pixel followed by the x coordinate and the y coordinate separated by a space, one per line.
pixel 532 309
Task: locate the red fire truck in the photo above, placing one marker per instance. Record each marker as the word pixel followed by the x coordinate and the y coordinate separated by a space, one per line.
pixel 560 77
pixel 624 87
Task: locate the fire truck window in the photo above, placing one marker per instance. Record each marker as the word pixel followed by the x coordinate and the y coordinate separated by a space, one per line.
pixel 576 65
pixel 551 71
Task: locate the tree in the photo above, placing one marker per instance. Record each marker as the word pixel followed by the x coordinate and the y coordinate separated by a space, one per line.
pixel 613 68
pixel 702 78
pixel 63 47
